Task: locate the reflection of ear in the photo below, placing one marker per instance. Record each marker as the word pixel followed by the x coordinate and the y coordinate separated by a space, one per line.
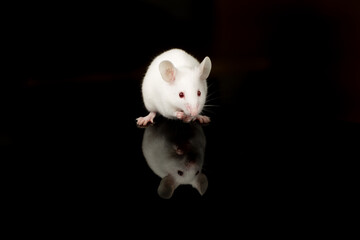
pixel 167 186
pixel 167 71
pixel 201 183
pixel 205 68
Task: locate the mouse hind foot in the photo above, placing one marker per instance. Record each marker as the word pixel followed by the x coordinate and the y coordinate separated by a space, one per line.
pixel 143 121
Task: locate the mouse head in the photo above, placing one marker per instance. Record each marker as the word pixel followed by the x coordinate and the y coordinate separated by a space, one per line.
pixel 188 86
pixel 184 168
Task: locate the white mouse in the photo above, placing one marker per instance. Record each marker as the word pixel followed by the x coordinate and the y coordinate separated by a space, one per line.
pixel 175 152
pixel 175 86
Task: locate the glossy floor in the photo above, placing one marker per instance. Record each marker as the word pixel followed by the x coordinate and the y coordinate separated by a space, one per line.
pixel 80 142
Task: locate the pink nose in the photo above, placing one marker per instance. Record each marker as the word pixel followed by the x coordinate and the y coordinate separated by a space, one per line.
pixel 193 113
pixel 193 110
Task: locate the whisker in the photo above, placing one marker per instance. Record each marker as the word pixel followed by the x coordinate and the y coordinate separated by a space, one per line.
pixel 210 84
pixel 212 99
pixel 208 97
pixel 207 110
pixel 212 102
pixel 211 105
pixel 212 96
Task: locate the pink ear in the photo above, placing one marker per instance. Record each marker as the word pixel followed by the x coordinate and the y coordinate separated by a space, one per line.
pixel 167 71
pixel 205 68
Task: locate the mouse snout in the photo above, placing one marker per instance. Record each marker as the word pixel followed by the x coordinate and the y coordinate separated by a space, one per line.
pixel 193 110
pixel 190 161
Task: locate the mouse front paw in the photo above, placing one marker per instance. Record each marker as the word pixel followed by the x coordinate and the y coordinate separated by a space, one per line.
pixel 202 119
pixel 180 115
pixel 143 121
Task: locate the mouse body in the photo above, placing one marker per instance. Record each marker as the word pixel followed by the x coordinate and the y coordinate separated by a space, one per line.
pixel 175 86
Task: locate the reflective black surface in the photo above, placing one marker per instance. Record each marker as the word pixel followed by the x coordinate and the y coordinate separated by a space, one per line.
pixel 81 141
pixel 283 103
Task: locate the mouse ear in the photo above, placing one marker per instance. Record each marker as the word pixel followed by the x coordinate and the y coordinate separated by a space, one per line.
pixel 168 71
pixel 205 68
pixel 201 183
pixel 167 186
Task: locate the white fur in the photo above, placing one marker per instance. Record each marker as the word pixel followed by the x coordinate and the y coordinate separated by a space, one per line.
pixel 161 95
pixel 168 149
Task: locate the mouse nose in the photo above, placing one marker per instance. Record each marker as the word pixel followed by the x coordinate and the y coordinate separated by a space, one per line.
pixel 194 113
pixel 192 110
pixel 190 161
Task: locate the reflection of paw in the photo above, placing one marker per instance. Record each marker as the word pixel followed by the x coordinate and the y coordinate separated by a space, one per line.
pixel 178 150
pixel 203 119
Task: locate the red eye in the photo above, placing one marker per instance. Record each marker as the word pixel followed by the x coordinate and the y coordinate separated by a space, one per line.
pixel 199 93
pixel 181 94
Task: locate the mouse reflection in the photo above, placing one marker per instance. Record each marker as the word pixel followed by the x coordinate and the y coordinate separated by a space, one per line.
pixel 175 152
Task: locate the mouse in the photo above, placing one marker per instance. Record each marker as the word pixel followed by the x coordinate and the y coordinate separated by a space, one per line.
pixel 175 151
pixel 175 86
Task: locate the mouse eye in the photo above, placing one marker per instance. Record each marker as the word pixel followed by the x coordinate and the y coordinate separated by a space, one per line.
pixel 197 173
pixel 181 94
pixel 199 93
pixel 180 172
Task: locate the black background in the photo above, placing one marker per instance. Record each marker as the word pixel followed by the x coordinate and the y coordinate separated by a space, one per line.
pixel 284 89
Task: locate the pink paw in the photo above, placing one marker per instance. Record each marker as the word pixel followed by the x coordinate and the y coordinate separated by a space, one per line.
pixel 203 119
pixel 180 115
pixel 143 121
pixel 183 116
